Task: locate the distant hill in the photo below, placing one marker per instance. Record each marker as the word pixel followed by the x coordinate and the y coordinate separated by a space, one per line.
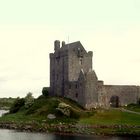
pixel 5 103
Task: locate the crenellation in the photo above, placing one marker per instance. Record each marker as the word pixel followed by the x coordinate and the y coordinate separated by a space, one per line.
pixel 56 45
pixel 63 43
pixel 90 53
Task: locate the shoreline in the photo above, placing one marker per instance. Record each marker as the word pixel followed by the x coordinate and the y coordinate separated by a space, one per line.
pixel 71 129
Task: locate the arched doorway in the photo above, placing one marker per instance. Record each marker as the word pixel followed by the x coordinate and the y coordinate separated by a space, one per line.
pixel 114 101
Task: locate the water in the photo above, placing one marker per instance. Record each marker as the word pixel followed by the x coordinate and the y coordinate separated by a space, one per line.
pixel 6 134
pixel 14 135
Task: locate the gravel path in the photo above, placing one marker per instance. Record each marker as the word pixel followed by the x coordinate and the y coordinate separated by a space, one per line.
pixel 125 110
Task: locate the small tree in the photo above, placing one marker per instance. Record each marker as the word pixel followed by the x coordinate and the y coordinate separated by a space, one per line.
pixel 45 91
pixel 29 100
pixel 18 103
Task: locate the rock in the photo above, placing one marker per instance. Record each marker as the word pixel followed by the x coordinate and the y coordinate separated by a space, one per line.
pixel 51 116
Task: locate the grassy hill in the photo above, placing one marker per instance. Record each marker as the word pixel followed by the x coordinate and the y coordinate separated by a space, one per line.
pixel 44 106
pixel 102 121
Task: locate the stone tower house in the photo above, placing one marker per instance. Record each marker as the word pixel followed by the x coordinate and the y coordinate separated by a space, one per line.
pixel 71 73
pixel 72 76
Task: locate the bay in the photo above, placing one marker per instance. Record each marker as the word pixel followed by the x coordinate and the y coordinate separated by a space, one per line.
pixel 6 134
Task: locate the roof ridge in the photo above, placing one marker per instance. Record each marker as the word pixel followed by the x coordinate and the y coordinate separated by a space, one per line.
pixel 73 42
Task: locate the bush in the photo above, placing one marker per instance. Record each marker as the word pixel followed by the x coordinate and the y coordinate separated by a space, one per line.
pixel 17 105
pixel 40 97
pixel 45 91
pixel 67 110
pixel 64 109
pixel 43 106
pixel 29 100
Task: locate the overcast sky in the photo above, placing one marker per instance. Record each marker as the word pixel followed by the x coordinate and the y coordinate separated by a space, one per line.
pixel 28 28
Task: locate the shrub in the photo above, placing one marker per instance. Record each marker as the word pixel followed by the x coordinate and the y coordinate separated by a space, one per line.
pixel 64 109
pixel 68 111
pixel 17 105
pixel 45 91
pixel 29 100
pixel 40 97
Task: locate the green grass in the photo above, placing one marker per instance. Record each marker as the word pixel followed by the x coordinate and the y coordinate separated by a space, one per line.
pixel 20 117
pixel 36 116
pixel 112 117
pixel 133 107
pixel 45 105
pixel 41 108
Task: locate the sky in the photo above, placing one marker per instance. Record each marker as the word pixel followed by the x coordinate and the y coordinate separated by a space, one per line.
pixel 109 28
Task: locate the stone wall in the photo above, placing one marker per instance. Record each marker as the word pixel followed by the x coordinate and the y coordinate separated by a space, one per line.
pixel 58 71
pixel 73 91
pixel 76 63
pixel 126 94
pixel 91 90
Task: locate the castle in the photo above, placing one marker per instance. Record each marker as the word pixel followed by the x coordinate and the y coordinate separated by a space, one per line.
pixel 72 76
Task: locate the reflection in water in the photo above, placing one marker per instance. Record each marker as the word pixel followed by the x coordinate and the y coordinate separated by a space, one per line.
pixel 62 137
pixel 14 135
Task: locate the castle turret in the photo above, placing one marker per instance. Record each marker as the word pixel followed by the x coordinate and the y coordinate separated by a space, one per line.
pixel 63 43
pixel 56 45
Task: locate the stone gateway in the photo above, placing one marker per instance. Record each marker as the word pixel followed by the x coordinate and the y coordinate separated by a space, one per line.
pixel 72 76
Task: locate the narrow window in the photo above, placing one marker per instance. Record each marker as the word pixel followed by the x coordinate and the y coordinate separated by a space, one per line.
pixel 76 95
pixel 76 86
pixel 80 61
pixel 57 61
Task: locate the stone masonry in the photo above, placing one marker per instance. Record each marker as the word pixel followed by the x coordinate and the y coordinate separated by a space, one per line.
pixel 72 76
